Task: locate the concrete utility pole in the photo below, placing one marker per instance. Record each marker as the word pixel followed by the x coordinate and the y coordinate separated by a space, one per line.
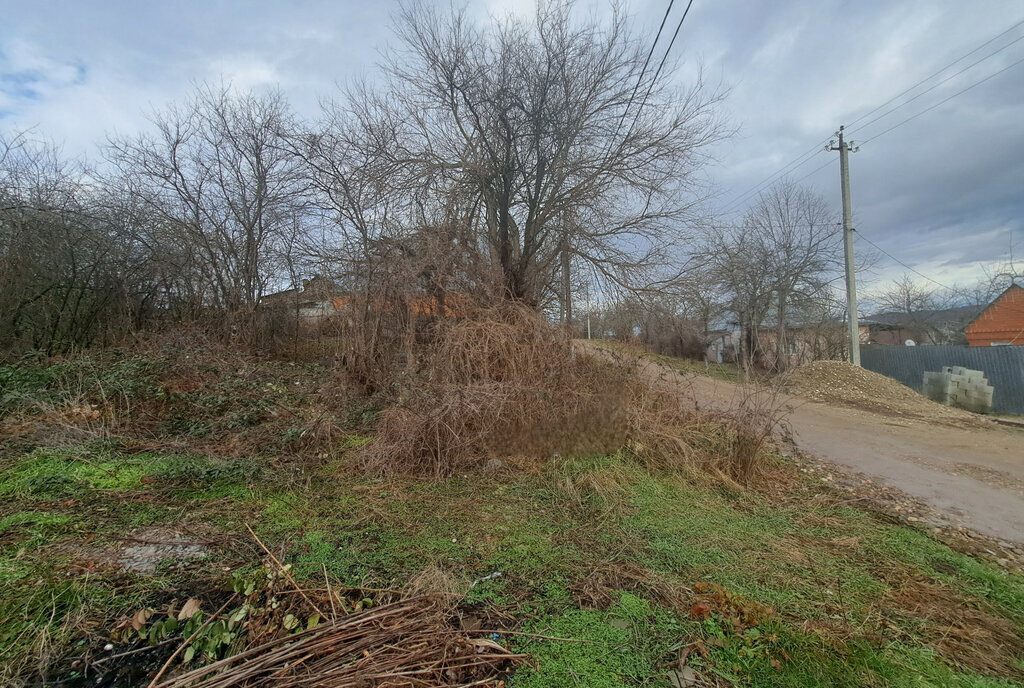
pixel 588 310
pixel 851 277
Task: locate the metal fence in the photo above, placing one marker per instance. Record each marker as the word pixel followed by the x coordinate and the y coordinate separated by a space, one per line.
pixel 1003 367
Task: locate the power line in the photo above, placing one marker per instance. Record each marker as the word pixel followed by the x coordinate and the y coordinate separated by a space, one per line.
pixel 816 169
pixel 900 262
pixel 943 101
pixel 804 158
pixel 801 225
pixel 937 84
pixel 643 70
pixel 670 44
pixel 661 64
pixel 800 161
pixel 935 74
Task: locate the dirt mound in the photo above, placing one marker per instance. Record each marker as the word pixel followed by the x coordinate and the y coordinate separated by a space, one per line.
pixel 838 382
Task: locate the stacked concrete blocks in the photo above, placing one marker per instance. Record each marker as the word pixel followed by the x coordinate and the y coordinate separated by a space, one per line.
pixel 960 387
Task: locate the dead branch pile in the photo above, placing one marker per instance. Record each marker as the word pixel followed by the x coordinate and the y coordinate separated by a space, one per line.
pixel 502 382
pixel 409 643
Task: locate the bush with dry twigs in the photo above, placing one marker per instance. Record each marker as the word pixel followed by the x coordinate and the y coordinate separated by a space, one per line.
pixel 504 382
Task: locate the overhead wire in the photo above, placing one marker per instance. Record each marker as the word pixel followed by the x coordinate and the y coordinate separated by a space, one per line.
pixel 668 50
pixel 900 262
pixel 942 102
pixel 643 70
pixel 799 161
pixel 804 158
pixel 940 71
pixel 815 170
pixel 936 85
pixel 970 300
pixel 661 64
pixel 954 290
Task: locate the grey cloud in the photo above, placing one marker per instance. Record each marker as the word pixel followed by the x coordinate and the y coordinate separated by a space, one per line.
pixel 796 70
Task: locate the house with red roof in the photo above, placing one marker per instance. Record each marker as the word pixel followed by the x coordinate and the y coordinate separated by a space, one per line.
pixel 1002 323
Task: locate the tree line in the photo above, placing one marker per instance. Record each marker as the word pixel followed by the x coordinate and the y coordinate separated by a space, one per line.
pixel 531 159
pixel 499 158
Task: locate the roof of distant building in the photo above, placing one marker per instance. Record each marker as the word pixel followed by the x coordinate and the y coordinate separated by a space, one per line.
pixel 943 317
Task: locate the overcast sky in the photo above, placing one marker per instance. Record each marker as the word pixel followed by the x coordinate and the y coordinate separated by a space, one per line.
pixel 943 192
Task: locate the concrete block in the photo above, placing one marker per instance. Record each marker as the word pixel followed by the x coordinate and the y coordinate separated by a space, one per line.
pixel 936 387
pixel 975 406
pixel 975 398
pixel 975 376
pixel 983 395
pixel 961 387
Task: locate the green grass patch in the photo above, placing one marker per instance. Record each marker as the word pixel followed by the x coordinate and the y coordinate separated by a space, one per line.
pixel 54 474
pixel 728 372
pixel 824 569
pixel 603 649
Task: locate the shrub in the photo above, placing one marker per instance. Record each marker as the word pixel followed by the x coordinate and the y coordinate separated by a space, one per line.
pixel 501 382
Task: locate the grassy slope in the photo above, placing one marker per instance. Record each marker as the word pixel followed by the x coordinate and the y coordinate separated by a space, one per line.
pixel 728 372
pixel 592 549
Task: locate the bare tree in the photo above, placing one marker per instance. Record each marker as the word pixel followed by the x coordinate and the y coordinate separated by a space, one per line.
pixel 62 273
pixel 733 260
pixel 781 259
pixel 222 192
pixel 921 311
pixel 799 239
pixel 546 137
pixel 913 302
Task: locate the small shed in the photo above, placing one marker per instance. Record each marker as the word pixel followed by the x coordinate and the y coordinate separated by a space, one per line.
pixel 1002 323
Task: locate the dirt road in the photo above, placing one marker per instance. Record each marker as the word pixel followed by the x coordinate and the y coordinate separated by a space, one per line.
pixel 973 476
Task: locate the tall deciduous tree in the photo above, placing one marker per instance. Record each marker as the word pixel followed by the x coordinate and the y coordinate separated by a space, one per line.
pixel 548 137
pixel 779 261
pixel 222 190
pixel 799 240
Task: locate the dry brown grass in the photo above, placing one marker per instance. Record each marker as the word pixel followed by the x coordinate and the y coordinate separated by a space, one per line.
pixel 669 435
pixel 408 643
pixel 603 487
pixel 505 383
pixel 960 628
pixel 501 383
pixel 599 589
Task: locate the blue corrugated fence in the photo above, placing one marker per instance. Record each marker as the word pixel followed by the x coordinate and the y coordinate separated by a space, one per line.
pixel 1002 365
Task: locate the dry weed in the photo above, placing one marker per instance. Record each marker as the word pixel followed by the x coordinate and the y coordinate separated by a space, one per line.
pixel 960 628
pixel 502 383
pixel 505 382
pixel 603 485
pixel 728 443
pixel 599 588
pixel 435 581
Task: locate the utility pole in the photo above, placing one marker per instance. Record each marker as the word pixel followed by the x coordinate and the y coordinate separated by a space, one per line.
pixel 844 149
pixel 588 310
pixel 566 285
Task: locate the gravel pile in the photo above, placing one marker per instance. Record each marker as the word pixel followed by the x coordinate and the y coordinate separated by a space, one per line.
pixel 838 382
